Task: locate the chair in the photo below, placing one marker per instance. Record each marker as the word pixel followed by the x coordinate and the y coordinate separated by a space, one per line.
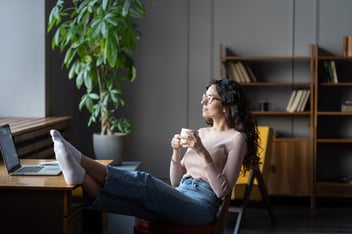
pixel 217 227
pixel 252 185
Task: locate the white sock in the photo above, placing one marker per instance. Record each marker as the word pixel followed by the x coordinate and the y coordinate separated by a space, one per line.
pixel 71 168
pixel 71 150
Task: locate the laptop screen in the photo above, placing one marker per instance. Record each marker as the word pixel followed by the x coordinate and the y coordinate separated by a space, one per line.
pixel 7 148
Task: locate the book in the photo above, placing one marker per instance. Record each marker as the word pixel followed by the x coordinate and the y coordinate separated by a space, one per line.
pixel 333 71
pixel 240 72
pixel 233 72
pixel 292 97
pixel 250 73
pixel 305 99
pixel 230 72
pixel 301 99
pixel 243 72
pixel 241 77
pixel 346 106
pixel 329 73
pixel 297 100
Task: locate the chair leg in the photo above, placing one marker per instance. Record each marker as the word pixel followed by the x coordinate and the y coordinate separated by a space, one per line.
pixel 246 197
pixel 238 221
pixel 264 194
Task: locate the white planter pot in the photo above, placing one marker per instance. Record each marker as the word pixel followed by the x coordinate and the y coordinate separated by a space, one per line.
pixel 111 147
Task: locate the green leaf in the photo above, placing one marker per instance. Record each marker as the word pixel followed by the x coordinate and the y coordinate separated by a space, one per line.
pixel 93 96
pixel 55 40
pixel 68 56
pixel 72 72
pixel 104 4
pixel 126 8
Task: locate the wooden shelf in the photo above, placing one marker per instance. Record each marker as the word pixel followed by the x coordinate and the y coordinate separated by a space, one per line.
pixel 280 113
pixel 266 58
pixel 340 147
pixel 332 57
pixel 309 152
pixel 292 149
pixel 333 189
pixel 278 84
pixel 334 113
pixel 339 84
pixel 333 140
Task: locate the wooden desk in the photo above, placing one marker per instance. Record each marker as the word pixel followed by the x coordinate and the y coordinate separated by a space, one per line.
pixel 38 204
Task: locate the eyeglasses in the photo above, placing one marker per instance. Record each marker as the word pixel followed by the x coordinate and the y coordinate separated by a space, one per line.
pixel 209 98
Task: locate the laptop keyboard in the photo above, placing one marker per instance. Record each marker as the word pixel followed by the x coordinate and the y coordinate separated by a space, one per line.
pixel 29 169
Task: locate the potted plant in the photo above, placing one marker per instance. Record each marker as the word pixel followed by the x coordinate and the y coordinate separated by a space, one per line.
pixel 98 38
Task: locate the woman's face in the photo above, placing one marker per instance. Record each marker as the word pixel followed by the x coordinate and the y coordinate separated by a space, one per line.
pixel 212 106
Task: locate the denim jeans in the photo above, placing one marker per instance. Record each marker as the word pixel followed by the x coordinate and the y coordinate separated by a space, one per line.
pixel 141 195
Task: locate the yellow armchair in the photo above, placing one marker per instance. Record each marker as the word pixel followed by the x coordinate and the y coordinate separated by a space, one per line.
pixel 252 186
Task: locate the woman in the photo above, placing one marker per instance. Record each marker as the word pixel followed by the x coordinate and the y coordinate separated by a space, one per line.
pixel 207 171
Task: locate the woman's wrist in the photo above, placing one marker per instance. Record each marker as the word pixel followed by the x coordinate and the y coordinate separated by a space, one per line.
pixel 176 155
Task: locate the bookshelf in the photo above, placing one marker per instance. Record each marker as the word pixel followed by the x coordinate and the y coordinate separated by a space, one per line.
pixel 332 158
pixel 275 79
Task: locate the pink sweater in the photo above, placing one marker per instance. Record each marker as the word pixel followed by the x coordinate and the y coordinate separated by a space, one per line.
pixel 226 148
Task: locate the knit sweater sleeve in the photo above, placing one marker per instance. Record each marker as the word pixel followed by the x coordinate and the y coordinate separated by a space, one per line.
pixel 177 171
pixel 222 181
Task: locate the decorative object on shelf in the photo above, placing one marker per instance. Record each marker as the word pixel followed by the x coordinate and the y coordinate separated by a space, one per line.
pixel 98 38
pixel 263 105
pixel 347 46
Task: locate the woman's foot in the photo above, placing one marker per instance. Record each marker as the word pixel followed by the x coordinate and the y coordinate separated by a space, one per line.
pixel 71 150
pixel 72 170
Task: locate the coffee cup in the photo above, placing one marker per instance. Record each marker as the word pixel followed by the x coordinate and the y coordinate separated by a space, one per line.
pixel 185 134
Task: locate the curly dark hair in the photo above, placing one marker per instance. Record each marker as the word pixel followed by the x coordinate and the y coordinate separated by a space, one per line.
pixel 239 117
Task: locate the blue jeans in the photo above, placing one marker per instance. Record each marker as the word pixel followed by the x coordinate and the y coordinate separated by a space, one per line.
pixel 141 195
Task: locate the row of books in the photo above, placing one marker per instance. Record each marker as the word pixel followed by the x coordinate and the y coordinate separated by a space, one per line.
pixel 240 72
pixel 330 74
pixel 346 106
pixel 298 100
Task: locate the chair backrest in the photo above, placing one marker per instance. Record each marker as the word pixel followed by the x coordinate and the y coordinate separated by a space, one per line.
pixel 266 135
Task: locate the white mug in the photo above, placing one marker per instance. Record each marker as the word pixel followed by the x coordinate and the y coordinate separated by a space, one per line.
pixel 185 133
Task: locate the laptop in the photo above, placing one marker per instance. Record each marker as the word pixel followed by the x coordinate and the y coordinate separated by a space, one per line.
pixel 12 161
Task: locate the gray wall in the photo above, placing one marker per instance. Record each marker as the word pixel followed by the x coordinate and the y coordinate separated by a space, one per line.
pixel 178 54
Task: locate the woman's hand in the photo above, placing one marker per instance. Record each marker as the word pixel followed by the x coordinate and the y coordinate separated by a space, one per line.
pixel 176 142
pixel 194 142
pixel 176 146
